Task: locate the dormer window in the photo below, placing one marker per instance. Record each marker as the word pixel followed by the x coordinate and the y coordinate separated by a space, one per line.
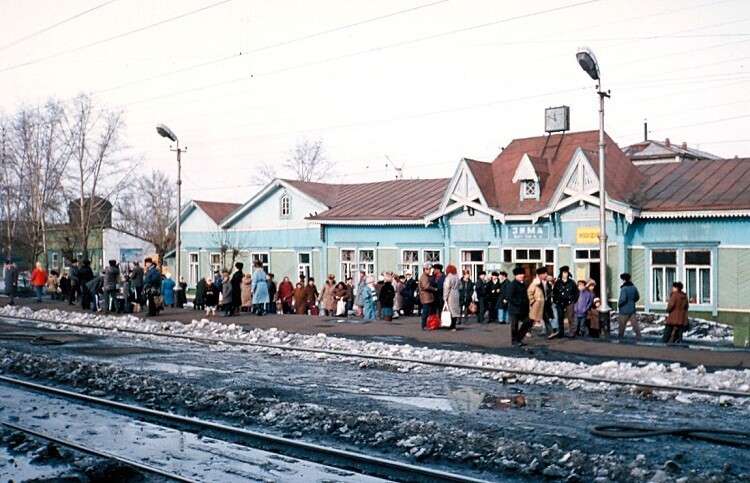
pixel 286 206
pixel 528 175
pixel 530 189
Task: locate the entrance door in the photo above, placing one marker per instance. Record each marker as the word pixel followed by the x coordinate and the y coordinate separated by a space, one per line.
pixel 594 268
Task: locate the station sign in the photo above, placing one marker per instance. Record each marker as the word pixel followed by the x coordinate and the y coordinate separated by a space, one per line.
pixel 587 235
pixel 528 232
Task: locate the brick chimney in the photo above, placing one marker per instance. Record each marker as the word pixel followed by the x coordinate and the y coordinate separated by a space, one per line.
pixel 684 146
pixel 667 143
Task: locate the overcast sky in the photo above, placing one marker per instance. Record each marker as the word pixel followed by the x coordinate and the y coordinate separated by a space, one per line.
pixel 420 82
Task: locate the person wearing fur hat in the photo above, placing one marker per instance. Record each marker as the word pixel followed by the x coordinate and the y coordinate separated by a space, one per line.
pixel 677 320
pixel 537 293
pixel 516 294
pixel 565 295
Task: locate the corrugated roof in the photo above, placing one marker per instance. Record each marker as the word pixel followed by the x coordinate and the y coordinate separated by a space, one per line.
pixel 654 150
pixel 404 199
pixel 216 210
pixel 696 185
pixel 623 178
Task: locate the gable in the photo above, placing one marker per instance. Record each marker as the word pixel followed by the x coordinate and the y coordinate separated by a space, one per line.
pixel 525 170
pixel 196 220
pixel 463 193
pixel 266 212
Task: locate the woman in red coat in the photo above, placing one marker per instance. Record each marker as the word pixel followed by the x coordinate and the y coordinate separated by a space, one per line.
pixel 38 280
pixel 677 320
pixel 284 295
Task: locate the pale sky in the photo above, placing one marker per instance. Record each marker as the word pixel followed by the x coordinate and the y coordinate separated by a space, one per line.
pixel 422 82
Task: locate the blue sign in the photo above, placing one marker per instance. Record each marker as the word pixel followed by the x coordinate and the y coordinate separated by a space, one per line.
pixel 528 232
pixel 129 255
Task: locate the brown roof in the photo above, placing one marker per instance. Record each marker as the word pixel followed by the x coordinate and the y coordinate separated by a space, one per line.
pixel 623 178
pixel 216 210
pixel 664 150
pixel 696 185
pixel 483 174
pixel 404 199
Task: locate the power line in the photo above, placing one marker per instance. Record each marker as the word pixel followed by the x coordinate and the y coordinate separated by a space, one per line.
pixel 118 36
pixel 46 29
pixel 365 51
pixel 259 49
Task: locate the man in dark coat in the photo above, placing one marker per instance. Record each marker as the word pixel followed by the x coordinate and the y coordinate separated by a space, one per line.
pixel 111 279
pixel 94 287
pixel 199 302
pixel 271 305
pixel 518 307
pixel 137 281
pixel 237 286
pixel 85 275
pixel 408 294
pixel 565 295
pixel 151 286
pixel 75 283
pixel 493 296
pixel 11 279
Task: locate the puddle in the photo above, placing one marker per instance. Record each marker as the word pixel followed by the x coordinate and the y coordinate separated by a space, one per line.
pixel 181 368
pixel 351 321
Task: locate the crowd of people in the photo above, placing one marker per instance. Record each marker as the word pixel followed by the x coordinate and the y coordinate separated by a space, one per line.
pixel 440 296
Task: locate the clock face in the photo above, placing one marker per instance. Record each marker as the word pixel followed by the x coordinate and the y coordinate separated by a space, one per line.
pixel 556 119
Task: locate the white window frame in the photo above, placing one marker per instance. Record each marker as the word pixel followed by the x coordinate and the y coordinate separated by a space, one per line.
pixel 215 266
pixel 666 288
pixel 529 189
pixel 538 261
pixel 432 260
pixel 255 256
pixel 348 268
pixel 412 266
pixel 304 268
pixel 285 206
pixel 368 265
pixel 474 267
pixel 55 261
pixel 193 268
pixel 589 255
pixel 699 285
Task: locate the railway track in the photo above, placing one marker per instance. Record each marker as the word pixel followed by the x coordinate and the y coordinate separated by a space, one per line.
pixel 373 357
pixel 366 467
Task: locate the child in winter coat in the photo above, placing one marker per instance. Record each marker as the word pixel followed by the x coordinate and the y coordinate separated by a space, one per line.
pixel 210 296
pixel 594 324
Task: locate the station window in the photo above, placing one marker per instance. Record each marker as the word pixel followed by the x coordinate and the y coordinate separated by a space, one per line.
pixel 508 255
pixel 367 261
pixel 303 265
pixel 55 261
pixel 193 269
pixel 431 256
pixel 262 258
pixel 410 262
pixel 529 189
pixel 215 262
pixel 698 276
pixel 587 255
pixel 473 261
pixel 663 274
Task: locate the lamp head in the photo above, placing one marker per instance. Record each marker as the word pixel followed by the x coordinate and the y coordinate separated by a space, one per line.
pixel 165 132
pixel 587 61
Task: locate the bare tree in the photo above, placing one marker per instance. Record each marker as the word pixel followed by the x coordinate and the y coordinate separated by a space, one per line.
pixel 147 208
pixel 36 150
pixel 308 162
pixel 266 174
pixel 231 244
pixel 9 190
pixel 98 171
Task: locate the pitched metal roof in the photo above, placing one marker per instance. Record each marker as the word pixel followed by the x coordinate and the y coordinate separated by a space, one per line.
pixel 216 210
pixel 623 178
pixel 649 151
pixel 696 185
pixel 404 199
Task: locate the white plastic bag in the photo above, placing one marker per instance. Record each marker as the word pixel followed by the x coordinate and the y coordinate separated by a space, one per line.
pixel 445 317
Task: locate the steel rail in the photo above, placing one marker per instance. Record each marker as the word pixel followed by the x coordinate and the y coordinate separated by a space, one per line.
pixel 342 459
pixel 409 360
pixel 99 453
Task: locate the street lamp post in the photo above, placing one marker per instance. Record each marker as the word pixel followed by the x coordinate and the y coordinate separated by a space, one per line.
pixel 588 63
pixel 164 131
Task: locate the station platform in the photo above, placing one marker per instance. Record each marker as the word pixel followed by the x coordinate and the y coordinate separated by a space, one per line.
pixel 490 338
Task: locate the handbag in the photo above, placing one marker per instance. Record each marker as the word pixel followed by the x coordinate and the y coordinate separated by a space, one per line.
pixel 445 318
pixel 473 308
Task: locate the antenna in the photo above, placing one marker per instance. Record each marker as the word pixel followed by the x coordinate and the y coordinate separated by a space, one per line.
pixel 399 169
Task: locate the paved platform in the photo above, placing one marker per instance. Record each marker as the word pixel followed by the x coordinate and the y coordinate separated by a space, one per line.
pixel 493 338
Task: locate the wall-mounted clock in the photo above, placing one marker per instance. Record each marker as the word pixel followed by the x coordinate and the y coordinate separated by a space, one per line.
pixel 557 119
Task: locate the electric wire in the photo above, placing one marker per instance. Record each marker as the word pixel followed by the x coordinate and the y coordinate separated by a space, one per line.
pixel 50 27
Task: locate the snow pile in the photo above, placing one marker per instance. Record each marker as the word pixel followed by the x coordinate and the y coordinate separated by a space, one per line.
pixel 638 375
pixel 700 330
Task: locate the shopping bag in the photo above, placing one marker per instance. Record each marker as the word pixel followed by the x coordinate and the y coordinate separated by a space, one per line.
pixel 433 322
pixel 445 318
pixel 340 308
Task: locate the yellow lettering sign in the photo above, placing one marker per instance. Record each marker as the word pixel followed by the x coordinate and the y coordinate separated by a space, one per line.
pixel 587 235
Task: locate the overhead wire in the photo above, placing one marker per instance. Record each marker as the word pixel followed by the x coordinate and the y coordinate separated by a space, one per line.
pixel 53 26
pixel 114 37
